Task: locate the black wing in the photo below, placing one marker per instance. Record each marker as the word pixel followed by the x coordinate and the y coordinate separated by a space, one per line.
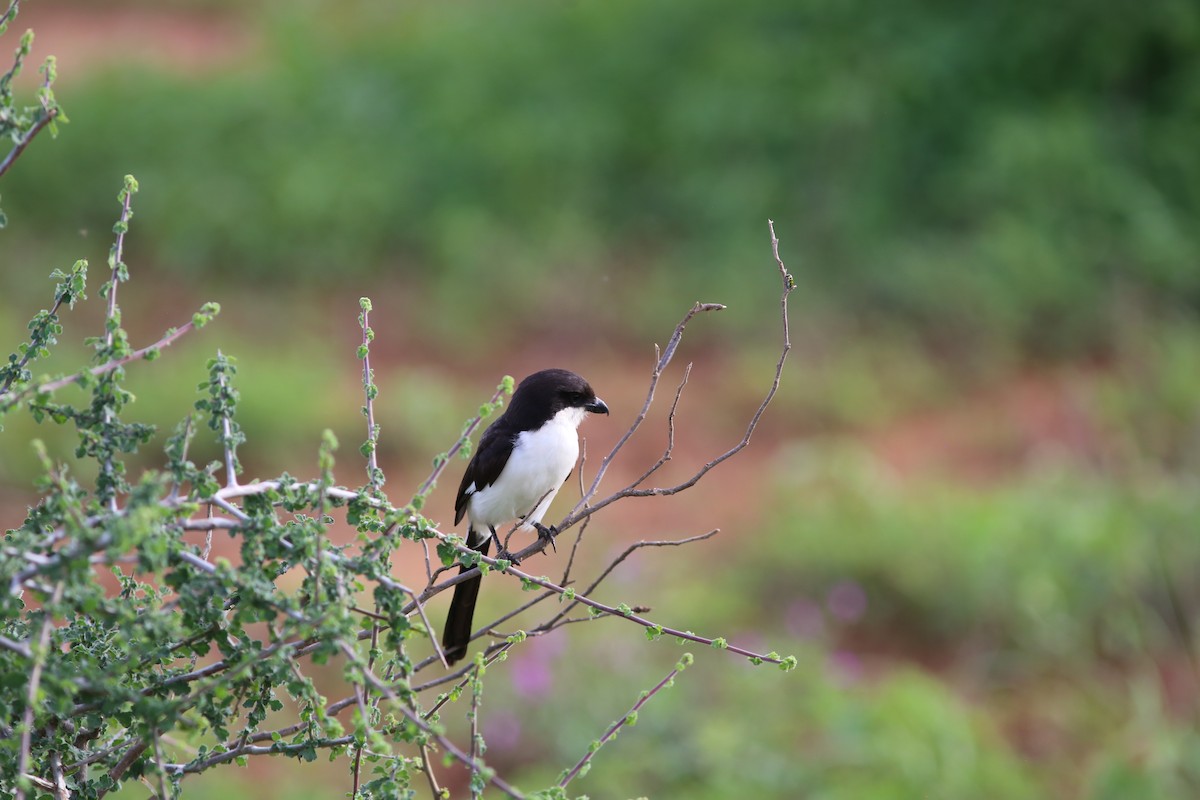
pixel 495 446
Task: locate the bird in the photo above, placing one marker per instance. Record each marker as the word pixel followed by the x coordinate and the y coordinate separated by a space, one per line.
pixel 522 460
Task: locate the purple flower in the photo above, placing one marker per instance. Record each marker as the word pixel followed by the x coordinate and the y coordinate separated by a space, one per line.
pixel 847 601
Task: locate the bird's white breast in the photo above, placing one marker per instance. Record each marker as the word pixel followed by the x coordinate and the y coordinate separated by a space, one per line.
pixel 540 461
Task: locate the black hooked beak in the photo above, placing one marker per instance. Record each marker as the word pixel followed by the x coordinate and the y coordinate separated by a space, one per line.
pixel 597 406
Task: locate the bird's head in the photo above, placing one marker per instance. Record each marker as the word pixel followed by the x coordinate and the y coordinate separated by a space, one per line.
pixel 557 390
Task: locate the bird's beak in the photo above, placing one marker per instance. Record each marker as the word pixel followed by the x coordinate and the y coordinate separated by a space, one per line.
pixel 597 406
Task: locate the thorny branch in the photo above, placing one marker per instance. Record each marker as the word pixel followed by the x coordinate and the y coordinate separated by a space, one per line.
pixel 225 513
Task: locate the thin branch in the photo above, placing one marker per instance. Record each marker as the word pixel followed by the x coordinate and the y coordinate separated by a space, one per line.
pixel 11 14
pixel 7 399
pixel 615 728
pixel 231 480
pixel 277 748
pixel 20 648
pixel 607 609
pixel 369 390
pixel 789 284
pixel 447 745
pixel 440 466
pixel 473 714
pixel 118 251
pixel 625 554
pixel 666 456
pixel 47 116
pixel 60 782
pixel 663 359
pixel 35 678
pixel 29 353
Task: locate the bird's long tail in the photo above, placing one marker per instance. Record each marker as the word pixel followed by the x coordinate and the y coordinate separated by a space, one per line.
pixel 457 633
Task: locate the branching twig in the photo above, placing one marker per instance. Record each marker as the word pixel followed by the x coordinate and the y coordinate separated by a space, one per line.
pixel 8 399
pixel 45 118
pixel 663 358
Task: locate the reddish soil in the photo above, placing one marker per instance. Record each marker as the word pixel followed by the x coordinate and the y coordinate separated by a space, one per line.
pixel 89 36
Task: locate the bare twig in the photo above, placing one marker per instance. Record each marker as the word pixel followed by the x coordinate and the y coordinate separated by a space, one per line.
pixel 666 456
pixel 579 513
pixel 663 359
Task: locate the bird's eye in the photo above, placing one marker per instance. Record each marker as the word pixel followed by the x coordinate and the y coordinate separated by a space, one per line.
pixel 574 397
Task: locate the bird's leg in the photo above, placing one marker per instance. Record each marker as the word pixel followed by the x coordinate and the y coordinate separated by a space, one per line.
pixel 501 552
pixel 546 534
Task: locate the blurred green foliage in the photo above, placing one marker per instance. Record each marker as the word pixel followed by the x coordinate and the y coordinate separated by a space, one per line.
pixel 979 184
pixel 1000 173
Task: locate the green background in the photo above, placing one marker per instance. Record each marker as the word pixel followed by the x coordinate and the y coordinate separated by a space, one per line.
pixel 971 512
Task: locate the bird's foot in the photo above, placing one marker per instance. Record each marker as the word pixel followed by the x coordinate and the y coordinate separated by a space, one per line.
pixel 546 534
pixel 509 556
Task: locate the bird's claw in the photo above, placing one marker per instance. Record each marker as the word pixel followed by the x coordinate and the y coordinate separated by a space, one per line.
pixel 508 556
pixel 547 534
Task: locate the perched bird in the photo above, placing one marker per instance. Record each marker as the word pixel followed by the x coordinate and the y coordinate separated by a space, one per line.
pixel 521 461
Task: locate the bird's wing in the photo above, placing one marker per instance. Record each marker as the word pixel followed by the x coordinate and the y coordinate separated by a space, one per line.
pixel 484 468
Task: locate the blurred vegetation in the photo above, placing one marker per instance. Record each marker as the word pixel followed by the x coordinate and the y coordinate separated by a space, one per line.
pixel 968 190
pixel 1004 173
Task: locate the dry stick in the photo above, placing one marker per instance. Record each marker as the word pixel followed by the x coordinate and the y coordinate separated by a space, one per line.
pixel 20 648
pixel 158 760
pixel 490 656
pixel 666 456
pixel 616 727
pixel 427 768
pixel 583 528
pixel 663 359
pixel 789 284
pixel 35 678
pixel 131 755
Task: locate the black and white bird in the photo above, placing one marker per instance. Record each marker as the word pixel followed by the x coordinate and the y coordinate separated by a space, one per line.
pixel 521 461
